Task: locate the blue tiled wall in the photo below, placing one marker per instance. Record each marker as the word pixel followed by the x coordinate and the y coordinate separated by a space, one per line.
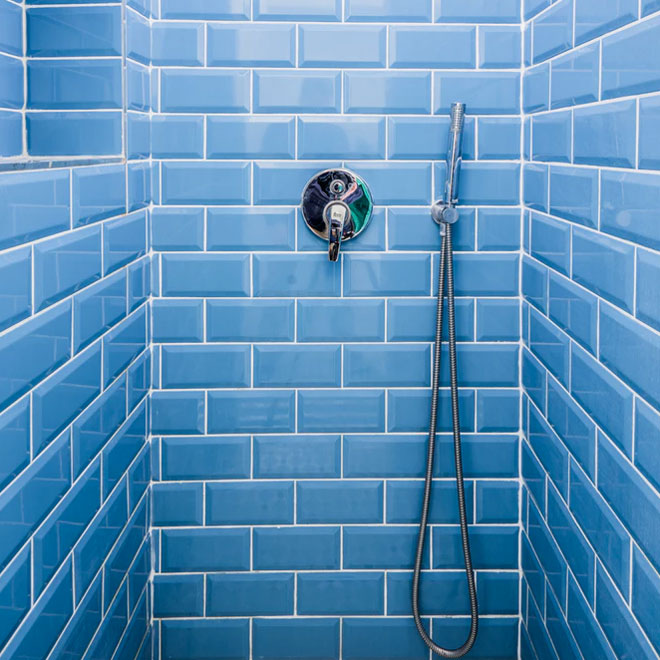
pixel 75 364
pixel 291 394
pixel 591 318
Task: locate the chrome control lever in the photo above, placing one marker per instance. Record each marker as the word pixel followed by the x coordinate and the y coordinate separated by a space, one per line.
pixel 337 214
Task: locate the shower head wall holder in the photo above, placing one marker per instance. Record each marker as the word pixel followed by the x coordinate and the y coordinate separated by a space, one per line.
pixel 337 206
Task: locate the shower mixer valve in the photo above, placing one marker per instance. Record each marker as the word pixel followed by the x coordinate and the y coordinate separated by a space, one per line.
pixel 337 206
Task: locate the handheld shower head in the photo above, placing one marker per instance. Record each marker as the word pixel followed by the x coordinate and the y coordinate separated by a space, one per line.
pixel 457 116
pixel 454 158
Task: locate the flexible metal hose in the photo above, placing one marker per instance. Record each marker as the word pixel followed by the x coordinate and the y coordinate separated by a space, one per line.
pixel 446 264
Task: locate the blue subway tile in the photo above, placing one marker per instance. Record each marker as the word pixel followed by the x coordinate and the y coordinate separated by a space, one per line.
pixel 339 502
pixel 627 203
pixel 123 344
pixel 194 550
pixel 645 600
pixel 15 590
pixel 550 242
pixel 299 456
pixel 550 451
pixel 574 310
pixel 499 47
pixel 350 320
pixel 296 548
pixel 485 274
pixel 432 47
pixel 340 593
pixel 85 32
pixel 205 9
pixel 381 366
pixel 297 366
pixel 628 66
pixel 189 638
pixel 11 37
pixel 295 275
pixel 608 401
pixel 484 92
pixel 534 378
pixel 251 411
pixel 536 88
pixel 404 502
pixel 205 90
pixel 395 92
pixel 499 138
pixel 376 638
pixel 206 458
pixel 253 320
pixel 595 18
pixel 74 133
pixel 33 350
pixel 381 547
pixel 177 136
pixel 355 137
pixel 138 37
pixel 177 44
pixel 498 229
pixel 535 187
pixel 553 31
pixel 297 91
pixel 256 594
pixel 177 229
pixel 15 287
pixel 141 177
pixel 314 638
pixel 413 319
pixel 412 138
pixel 604 265
pixel 36 204
pixel 251 45
pixel 493 546
pixel 177 412
pixel 367 10
pixel 15 431
pixel 11 85
pixel 282 182
pixel 576 77
pixel 496 502
pixel 408 410
pixel 627 347
pixel 297 10
pixel 574 194
pixel 253 503
pixel 551 137
pixel 648 299
pixel 361 411
pixel 477 11
pixel 649 126
pixel 205 275
pixel 206 183
pixel 11 133
pixel 250 137
pixel 178 595
pixel 647 427
pixel 392 275
pixel 605 134
pixel 98 193
pixel 549 345
pixel 342 46
pixel 486 183
pixel 177 320
pixel 535 284
pixel 205 366
pixel 498 410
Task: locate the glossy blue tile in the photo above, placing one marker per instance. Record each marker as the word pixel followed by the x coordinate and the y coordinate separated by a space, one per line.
pixel 177 413
pixel 253 45
pixel 205 366
pixel 497 410
pixel 414 319
pixel 177 229
pixel 395 92
pixel 35 204
pixel 550 451
pixel 188 638
pixel 645 600
pixel 432 47
pixel 390 10
pixel 378 366
pixel 551 242
pixel 296 548
pixel 11 39
pixel 98 193
pixel 177 136
pixel 485 274
pixel 253 503
pixel 335 502
pixel 11 138
pixel 534 379
pixel 206 183
pixel 412 138
pixel 396 184
pixel 595 18
pixel 486 93
pixel 139 37
pixel 477 11
pixel 498 320
pixel 575 77
pixel 235 594
pixel 15 287
pixel 67 84
pixel 408 411
pixel 535 284
pixel 204 90
pixel 297 91
pixel 177 320
pixel 297 10
pixel 649 126
pixel 647 426
pixel 536 88
pixel 74 133
pixel 366 275
pixel 303 366
pixel 209 457
pixel 194 550
pixel 277 457
pixel 178 595
pixel 205 275
pixel 15 432
pixel 352 320
pixel 628 66
pixel 604 265
pixel 175 44
pixel 499 47
pixel 295 275
pixel 499 138
pixel 498 229
pixel 493 546
pixel 250 137
pixel 551 137
pixel 312 638
pixel 496 502
pixel 627 203
pixel 254 320
pixel 356 137
pixel 11 87
pixel 607 400
pixel 340 593
pixel 361 411
pixel 404 500
pixel 123 344
pixel 15 592
pixel 33 350
pixel 204 9
pixel 535 187
pixel 341 46
pixel 380 547
pixel 553 31
pixel 251 411
pixel 282 182
pixel 605 135
pixel 574 194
